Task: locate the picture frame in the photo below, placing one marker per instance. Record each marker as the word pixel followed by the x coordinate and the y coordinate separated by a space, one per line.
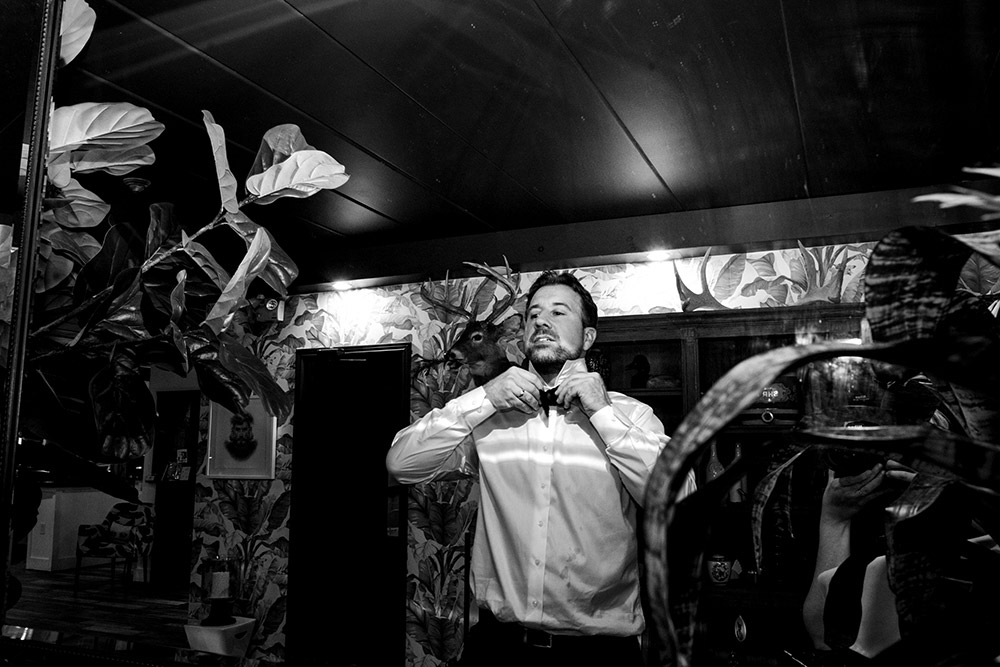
pixel 241 448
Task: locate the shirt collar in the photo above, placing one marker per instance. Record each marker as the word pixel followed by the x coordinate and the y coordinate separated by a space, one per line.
pixel 571 366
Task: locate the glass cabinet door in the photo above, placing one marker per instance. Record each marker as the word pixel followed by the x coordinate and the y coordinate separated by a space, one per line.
pixel 649 371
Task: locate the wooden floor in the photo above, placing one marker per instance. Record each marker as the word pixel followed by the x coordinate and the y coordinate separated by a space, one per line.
pixel 100 606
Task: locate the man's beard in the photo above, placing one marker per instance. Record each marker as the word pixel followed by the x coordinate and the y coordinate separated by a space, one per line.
pixel 550 359
pixel 241 447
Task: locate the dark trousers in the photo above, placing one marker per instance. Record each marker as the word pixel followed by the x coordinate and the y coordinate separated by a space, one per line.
pixel 491 643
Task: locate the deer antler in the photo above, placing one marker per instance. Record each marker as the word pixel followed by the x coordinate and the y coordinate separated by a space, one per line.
pixel 691 300
pixel 444 304
pixel 507 282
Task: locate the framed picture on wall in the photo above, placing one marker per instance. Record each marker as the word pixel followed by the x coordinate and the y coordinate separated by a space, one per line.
pixel 241 446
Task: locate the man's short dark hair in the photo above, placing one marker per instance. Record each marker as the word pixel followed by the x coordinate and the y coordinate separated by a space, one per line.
pixel 241 418
pixel 569 280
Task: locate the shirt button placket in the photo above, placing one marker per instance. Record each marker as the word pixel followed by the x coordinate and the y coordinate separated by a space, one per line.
pixel 536 583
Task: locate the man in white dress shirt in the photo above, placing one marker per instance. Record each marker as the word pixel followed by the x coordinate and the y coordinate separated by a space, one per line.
pixel 562 464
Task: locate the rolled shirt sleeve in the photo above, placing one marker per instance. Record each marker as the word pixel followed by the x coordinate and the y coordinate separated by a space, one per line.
pixel 441 441
pixel 634 436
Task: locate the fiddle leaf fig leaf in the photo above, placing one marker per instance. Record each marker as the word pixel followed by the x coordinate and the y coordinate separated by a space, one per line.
pixel 177 297
pixel 115 161
pixel 281 270
pixel 79 247
pixel 227 182
pixel 101 125
pixel 121 249
pixel 277 145
pixel 162 230
pixel 59 169
pixel 159 282
pixel 78 207
pixel 234 294
pixel 954 199
pixel 7 249
pixel 205 261
pixel 980 276
pixel 180 360
pixel 986 171
pixel 78 20
pixel 51 270
pixel 219 383
pixel 237 359
pixel 302 175
pixel 123 318
pixel 986 244
pixel 123 408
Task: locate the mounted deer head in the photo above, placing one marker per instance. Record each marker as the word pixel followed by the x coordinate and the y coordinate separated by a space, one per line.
pixel 480 345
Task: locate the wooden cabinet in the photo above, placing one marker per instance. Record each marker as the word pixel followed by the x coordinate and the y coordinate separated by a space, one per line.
pixel 688 352
pixel 669 361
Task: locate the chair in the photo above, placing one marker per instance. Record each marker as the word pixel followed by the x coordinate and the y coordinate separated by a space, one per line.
pixel 126 533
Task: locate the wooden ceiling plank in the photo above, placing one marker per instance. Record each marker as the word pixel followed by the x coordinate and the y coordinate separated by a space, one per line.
pixel 288 56
pixel 704 87
pixel 497 75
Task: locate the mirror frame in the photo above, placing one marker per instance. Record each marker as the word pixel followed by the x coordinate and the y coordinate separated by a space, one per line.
pixel 44 41
pixel 26 647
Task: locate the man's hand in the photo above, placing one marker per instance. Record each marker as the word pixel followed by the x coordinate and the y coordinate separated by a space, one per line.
pixel 845 496
pixel 585 389
pixel 514 389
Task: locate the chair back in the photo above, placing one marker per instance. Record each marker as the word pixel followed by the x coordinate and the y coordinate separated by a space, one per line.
pixel 137 520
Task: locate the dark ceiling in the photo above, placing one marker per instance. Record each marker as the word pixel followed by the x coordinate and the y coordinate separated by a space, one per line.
pixel 550 129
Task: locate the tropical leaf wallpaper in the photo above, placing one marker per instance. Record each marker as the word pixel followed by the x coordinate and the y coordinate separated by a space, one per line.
pixel 248 519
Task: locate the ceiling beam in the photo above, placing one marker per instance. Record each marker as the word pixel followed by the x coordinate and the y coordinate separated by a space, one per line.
pixel 753 227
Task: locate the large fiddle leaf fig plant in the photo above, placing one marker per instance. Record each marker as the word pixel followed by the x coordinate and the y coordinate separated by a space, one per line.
pixel 113 298
pixel 923 317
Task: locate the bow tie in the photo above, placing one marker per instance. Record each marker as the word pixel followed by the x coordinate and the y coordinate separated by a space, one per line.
pixel 548 398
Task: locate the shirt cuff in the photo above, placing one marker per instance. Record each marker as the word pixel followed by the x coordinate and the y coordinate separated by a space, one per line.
pixel 473 406
pixel 609 425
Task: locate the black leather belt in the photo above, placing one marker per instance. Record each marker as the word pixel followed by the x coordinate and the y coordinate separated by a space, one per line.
pixel 520 634
pixel 540 638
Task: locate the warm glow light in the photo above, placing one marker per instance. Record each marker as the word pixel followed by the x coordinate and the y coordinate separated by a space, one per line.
pixel 657 256
pixel 647 286
pixel 341 285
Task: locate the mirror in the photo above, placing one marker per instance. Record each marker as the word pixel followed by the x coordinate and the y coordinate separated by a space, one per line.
pixel 188 179
pixel 32 479
pixel 83 497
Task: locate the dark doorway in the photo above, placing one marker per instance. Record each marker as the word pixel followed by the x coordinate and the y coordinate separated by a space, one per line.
pixel 347 553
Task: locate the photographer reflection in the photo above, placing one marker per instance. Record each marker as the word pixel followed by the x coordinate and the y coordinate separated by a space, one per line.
pixel 849 603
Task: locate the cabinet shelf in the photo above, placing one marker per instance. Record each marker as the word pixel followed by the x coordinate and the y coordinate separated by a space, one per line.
pixel 642 393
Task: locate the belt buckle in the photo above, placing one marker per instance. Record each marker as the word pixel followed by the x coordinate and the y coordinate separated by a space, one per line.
pixel 537 638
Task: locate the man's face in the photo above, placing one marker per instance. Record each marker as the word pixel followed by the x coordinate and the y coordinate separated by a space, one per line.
pixel 241 431
pixel 553 329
